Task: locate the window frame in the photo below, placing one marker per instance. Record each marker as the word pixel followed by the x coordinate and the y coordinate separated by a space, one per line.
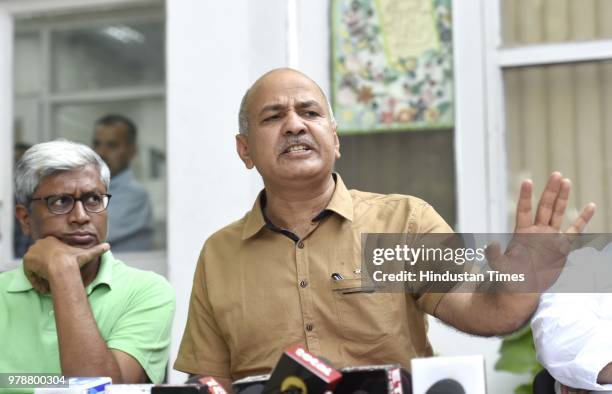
pixel 481 119
pixel 10 11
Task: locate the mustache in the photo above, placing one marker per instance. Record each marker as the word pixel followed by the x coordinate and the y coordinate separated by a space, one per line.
pixel 304 139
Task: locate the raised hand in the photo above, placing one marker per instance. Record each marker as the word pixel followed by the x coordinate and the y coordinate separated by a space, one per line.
pixel 50 253
pixel 539 249
pixel 551 208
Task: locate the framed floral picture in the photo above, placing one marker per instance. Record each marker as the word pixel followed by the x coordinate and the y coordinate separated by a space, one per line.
pixel 392 65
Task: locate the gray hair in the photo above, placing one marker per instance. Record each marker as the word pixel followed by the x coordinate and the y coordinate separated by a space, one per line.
pixel 243 113
pixel 49 158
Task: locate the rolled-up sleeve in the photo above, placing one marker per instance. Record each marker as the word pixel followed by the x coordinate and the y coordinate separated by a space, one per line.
pixel 203 349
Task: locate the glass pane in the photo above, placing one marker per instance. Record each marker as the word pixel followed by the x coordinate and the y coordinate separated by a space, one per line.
pixel 546 21
pixel 558 118
pixel 27 120
pixel 28 56
pixel 108 56
pixel 76 122
pixel 420 164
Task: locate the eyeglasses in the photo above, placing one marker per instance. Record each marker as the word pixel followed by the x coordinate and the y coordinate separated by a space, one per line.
pixel 61 204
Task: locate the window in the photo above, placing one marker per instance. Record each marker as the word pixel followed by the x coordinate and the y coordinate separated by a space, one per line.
pixel 555 106
pixel 557 119
pixel 72 69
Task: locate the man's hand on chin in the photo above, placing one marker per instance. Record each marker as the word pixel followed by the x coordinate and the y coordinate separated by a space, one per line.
pixel 49 257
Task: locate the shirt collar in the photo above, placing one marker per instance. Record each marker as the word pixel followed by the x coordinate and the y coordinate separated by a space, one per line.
pixel 340 203
pixel 20 282
pixel 105 273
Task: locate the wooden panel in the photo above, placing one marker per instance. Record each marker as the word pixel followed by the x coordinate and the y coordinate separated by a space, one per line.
pixel 584 20
pixel 558 118
pixel 530 19
pixel 527 22
pixel 604 13
pixel 589 141
pixel 509 21
pixel 535 125
pixel 514 137
pixel 562 131
pixel 556 18
pixel 421 164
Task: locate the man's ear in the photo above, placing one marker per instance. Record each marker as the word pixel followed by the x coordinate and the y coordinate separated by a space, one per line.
pixel 242 147
pixel 336 140
pixel 23 215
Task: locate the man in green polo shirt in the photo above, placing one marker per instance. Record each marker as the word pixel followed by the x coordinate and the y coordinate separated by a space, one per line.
pixel 71 307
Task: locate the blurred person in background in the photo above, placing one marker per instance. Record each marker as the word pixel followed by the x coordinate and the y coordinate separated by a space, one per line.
pixel 130 217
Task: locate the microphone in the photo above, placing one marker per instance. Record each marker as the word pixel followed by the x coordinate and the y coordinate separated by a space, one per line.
pixel 391 379
pixel 446 386
pixel 251 384
pixel 195 385
pixel 299 372
pixel 213 386
pixel 448 375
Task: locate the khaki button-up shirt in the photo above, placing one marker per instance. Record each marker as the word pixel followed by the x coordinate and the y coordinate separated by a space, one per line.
pixel 256 291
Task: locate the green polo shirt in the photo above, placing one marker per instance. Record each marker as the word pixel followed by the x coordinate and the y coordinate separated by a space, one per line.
pixel 133 309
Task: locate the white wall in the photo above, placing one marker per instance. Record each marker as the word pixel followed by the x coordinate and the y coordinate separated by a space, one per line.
pixel 215 50
pixel 6 140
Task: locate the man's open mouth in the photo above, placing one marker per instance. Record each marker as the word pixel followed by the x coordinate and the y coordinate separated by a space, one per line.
pixel 297 148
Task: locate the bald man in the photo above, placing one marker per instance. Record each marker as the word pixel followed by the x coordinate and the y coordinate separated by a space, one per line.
pixel 266 281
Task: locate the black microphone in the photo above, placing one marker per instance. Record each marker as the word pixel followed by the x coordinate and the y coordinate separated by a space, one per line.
pixel 251 384
pixel 446 386
pixel 383 379
pixel 299 372
pixel 195 385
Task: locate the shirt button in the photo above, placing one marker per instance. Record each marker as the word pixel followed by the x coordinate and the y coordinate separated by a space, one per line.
pixel 309 327
pixel 303 284
pixel 300 245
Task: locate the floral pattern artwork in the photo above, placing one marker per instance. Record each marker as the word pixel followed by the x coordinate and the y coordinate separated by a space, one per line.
pixel 392 65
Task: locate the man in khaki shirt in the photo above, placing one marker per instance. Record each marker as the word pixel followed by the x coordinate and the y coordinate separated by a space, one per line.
pixel 266 281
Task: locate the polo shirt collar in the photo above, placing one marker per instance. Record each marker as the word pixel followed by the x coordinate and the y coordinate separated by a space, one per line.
pixel 20 282
pixel 340 203
pixel 105 273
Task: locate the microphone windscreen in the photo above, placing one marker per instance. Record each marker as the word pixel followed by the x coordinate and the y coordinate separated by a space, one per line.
pixel 458 374
pixel 446 386
pixel 299 372
pixel 251 384
pixel 382 379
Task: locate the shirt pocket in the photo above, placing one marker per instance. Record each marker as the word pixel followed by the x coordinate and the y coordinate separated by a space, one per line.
pixel 364 313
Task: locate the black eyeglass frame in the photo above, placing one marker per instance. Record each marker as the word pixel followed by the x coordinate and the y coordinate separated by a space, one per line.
pixel 105 201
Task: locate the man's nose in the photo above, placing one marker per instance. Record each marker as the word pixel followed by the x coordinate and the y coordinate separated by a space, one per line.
pixel 78 213
pixel 294 124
